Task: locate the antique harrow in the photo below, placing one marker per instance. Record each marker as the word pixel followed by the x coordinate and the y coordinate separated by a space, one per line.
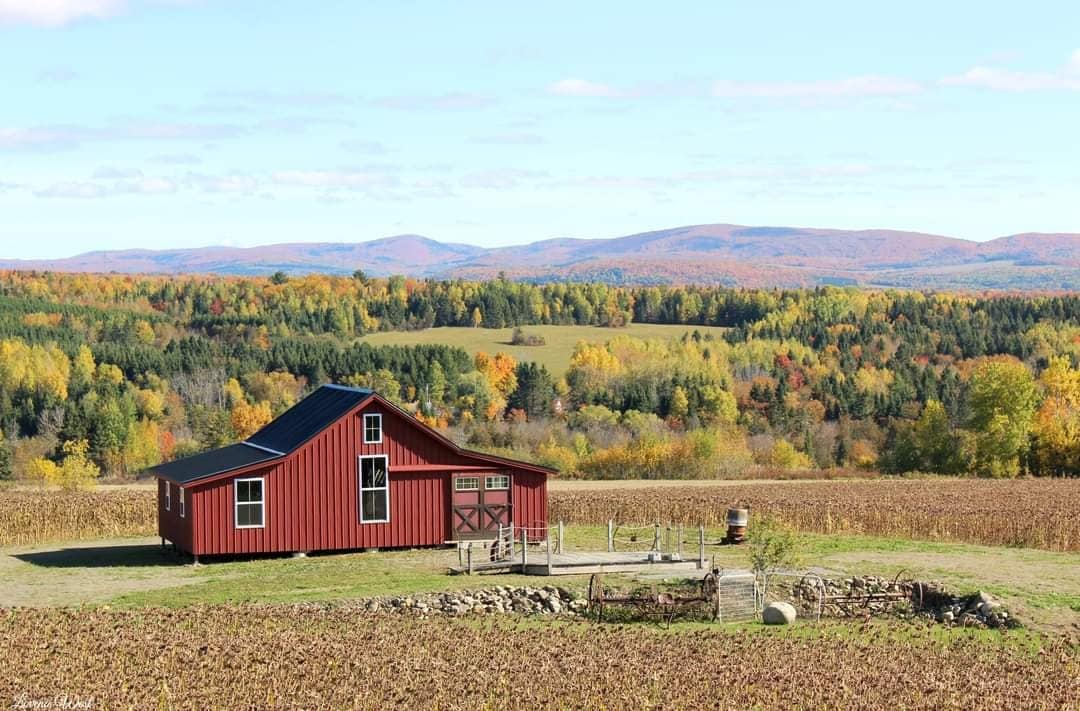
pixel 856 602
pixel 654 604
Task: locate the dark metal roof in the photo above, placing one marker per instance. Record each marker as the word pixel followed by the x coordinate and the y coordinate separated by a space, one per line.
pixel 308 417
pixel 213 462
pixel 296 425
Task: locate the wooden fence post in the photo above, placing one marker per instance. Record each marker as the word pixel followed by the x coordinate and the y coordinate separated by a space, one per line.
pixel 701 546
pixel 524 550
pixel 549 552
pixel 679 537
pixel 562 532
pixel 656 537
pixel 469 556
pixel 719 603
pixel 610 535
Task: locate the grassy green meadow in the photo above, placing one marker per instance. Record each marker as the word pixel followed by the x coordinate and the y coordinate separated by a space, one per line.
pixel 554 354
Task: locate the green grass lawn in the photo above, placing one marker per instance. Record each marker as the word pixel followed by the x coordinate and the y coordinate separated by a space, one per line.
pixel 555 354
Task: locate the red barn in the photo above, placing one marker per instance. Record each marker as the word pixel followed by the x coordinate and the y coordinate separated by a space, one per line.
pixel 343 469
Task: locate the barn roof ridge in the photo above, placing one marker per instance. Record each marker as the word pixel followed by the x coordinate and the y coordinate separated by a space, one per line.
pixel 295 427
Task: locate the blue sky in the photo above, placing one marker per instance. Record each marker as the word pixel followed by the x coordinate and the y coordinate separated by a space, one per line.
pixel 168 123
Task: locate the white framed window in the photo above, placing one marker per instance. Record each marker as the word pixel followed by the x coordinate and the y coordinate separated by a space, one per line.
pixel 467 483
pixel 250 502
pixel 183 509
pixel 373 428
pixel 497 481
pixel 374 489
pixel 168 496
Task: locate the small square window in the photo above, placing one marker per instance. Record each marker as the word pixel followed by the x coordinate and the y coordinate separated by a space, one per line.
pixel 467 483
pixel 373 429
pixel 498 481
pixel 249 503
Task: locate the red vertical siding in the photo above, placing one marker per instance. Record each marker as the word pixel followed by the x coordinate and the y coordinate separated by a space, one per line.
pixel 171 526
pixel 530 501
pixel 312 495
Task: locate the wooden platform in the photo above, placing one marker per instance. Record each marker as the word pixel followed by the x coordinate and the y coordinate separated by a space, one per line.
pixel 580 563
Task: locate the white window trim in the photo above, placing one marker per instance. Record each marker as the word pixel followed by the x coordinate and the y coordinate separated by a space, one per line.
pixel 458 480
pixel 168 496
pixel 261 502
pixel 489 477
pixel 373 415
pixel 183 508
pixel 361 488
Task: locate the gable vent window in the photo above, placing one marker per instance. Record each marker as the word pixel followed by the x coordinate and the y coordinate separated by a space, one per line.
pixel 373 429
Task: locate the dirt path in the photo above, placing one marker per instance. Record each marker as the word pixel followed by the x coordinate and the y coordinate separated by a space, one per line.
pixel 87 572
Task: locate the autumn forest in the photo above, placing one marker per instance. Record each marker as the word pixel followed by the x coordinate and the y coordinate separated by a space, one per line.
pixel 103 376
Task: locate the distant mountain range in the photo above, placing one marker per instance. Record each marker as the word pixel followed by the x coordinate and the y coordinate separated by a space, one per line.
pixel 704 254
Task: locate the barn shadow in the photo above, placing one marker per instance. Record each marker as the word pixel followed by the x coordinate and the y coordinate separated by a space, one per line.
pixel 133 556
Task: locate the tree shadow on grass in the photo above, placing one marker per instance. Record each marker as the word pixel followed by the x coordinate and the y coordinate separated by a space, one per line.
pixel 129 556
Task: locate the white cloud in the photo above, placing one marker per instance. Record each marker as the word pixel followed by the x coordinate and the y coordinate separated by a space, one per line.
pixel 107 172
pixel 95 189
pixel 282 98
pixel 582 87
pixel 73 189
pixel 442 102
pixel 41 137
pixel 59 137
pixel 349 180
pixel 147 186
pixel 852 87
pixel 232 183
pixel 56 13
pixel 1006 80
pixel 500 179
pixel 998 79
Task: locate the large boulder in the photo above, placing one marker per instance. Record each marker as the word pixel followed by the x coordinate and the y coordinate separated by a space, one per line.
pixel 778 613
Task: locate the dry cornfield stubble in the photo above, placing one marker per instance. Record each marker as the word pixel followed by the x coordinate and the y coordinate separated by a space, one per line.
pixel 38 516
pixel 1036 513
pixel 312 656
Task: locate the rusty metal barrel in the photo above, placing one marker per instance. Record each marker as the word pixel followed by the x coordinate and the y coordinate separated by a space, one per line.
pixel 737 520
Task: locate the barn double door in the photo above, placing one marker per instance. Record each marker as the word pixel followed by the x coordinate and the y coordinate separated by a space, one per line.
pixel 480 504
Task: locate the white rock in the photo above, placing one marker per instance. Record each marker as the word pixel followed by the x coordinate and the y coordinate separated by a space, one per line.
pixel 778 613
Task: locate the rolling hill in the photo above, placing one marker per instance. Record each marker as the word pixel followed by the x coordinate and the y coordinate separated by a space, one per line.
pixel 710 254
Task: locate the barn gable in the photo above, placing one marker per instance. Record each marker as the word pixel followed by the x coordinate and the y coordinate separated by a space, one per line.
pixel 417 444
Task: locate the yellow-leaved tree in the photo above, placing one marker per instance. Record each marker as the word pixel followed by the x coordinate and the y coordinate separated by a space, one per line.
pixel 1056 427
pixel 249 419
pixel 75 471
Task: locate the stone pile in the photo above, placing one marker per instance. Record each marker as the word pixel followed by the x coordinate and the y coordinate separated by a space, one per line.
pixel 502 599
pixel 926 600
